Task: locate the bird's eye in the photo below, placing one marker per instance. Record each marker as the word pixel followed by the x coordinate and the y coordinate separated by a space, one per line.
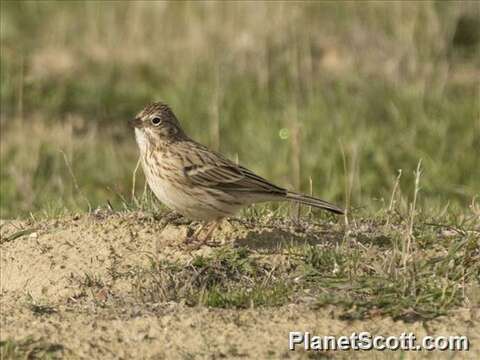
pixel 156 121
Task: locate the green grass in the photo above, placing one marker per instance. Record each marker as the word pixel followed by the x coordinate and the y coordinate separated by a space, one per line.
pixel 228 278
pixel 345 94
pixel 366 272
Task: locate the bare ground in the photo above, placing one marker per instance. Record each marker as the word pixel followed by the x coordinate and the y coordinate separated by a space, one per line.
pixel 63 294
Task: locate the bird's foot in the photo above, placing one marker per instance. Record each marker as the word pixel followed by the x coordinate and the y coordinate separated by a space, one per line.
pixel 191 245
pixel 195 241
pixel 212 243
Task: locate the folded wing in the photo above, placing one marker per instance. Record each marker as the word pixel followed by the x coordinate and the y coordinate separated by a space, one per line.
pixel 213 171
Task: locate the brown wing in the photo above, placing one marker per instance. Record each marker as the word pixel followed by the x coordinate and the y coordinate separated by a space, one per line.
pixel 213 170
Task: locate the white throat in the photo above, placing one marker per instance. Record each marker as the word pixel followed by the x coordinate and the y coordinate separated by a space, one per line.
pixel 142 140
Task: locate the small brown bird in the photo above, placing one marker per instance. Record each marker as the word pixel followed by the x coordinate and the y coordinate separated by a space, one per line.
pixel 195 181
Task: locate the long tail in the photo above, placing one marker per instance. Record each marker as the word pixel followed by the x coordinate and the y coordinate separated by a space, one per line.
pixel 310 200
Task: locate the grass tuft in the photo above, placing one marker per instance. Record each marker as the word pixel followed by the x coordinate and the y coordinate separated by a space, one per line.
pixel 366 274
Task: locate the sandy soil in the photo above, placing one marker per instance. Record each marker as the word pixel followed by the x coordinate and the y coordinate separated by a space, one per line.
pixel 47 306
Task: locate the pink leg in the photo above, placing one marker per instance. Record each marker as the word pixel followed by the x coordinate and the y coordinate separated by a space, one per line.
pixel 211 228
pixel 203 240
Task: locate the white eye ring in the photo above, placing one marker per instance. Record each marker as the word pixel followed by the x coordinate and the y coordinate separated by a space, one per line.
pixel 156 121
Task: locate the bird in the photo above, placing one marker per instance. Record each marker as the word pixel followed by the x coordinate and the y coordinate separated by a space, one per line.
pixel 197 182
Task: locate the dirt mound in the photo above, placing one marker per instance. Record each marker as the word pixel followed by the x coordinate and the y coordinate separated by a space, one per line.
pixel 126 285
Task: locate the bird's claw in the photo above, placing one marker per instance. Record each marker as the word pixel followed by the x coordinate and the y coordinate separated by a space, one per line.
pixel 195 243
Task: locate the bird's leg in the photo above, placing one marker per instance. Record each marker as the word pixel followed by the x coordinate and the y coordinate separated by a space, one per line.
pixel 194 236
pixel 210 229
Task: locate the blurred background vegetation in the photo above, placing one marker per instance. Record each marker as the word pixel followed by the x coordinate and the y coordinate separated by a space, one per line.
pixel 343 93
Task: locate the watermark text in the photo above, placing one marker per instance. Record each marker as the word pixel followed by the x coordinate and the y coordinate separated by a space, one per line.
pixel 367 341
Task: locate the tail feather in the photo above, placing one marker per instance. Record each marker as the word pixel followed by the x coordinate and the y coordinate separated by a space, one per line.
pixel 312 201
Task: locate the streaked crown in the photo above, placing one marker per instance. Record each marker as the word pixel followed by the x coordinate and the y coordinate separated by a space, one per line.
pixel 157 109
pixel 158 119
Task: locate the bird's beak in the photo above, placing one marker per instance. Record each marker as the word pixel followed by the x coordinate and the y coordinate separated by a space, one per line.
pixel 136 123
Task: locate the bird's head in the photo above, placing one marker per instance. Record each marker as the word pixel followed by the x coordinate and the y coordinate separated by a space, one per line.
pixel 157 123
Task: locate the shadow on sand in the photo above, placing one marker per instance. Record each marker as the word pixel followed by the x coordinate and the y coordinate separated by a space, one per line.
pixel 275 239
